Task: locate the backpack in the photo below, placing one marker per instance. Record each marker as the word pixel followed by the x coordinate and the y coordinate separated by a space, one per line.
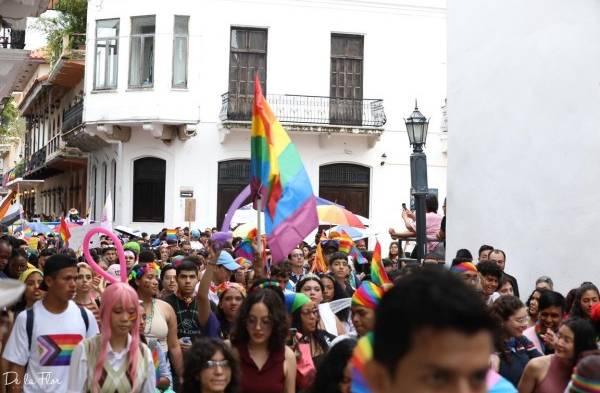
pixel 29 323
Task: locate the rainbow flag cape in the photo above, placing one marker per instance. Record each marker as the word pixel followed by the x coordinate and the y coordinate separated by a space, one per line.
pixel 171 234
pixel 278 178
pixel 319 264
pixel 378 274
pixel 63 231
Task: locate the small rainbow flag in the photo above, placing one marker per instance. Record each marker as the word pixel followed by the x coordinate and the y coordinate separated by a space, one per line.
pixel 278 178
pixel 27 232
pixel 63 231
pixel 171 234
pixel 244 249
pixel 378 274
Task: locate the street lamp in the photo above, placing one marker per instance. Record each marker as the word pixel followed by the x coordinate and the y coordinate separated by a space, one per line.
pixel 416 127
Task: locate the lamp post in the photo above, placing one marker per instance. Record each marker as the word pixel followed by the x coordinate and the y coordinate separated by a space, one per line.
pixel 416 127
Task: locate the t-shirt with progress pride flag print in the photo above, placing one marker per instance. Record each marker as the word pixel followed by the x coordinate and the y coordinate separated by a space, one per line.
pixel 53 339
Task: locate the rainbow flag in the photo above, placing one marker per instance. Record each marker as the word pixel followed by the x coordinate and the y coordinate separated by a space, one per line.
pixel 27 232
pixel 363 353
pixel 6 203
pixel 63 231
pixel 319 265
pixel 378 274
pixel 278 178
pixel 244 249
pixel 171 234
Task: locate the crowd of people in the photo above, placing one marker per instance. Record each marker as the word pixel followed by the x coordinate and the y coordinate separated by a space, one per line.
pixel 190 314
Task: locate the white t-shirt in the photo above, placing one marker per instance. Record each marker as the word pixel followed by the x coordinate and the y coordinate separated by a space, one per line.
pixel 53 339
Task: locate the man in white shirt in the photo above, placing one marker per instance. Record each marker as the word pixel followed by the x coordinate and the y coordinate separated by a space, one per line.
pixel 43 338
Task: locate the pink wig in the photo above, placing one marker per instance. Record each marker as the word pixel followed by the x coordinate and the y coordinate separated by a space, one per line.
pixel 118 294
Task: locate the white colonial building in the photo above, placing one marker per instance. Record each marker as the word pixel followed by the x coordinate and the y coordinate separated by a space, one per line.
pixel 168 87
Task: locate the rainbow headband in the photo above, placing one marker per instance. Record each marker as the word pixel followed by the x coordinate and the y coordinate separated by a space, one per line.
pixel 463 267
pixel 580 384
pixel 227 285
pixel 140 269
pixel 367 295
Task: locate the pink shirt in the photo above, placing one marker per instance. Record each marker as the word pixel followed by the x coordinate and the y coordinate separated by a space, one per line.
pixel 433 222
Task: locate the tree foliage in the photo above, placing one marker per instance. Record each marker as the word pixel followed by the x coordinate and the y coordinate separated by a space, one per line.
pixel 11 124
pixel 71 19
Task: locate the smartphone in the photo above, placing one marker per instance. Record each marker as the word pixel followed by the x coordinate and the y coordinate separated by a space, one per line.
pixel 403 206
pixel 292 340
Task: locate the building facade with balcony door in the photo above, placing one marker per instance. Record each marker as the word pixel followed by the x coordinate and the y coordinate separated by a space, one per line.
pixel 54 175
pixel 174 82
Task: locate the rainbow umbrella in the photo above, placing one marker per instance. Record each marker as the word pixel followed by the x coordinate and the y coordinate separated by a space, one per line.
pixel 337 215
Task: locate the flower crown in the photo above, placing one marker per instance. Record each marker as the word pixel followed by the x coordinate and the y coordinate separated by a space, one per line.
pixel 140 269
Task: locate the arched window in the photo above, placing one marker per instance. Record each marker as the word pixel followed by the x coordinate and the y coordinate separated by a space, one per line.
pixel 346 184
pixel 149 189
pixel 234 175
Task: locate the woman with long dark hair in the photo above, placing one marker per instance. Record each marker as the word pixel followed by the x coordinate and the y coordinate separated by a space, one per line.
pixel 210 367
pixel 333 291
pixel 585 297
pixel 552 373
pixel 305 319
pixel 259 335
pixel 312 287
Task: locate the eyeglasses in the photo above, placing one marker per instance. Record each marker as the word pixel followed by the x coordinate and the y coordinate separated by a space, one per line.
pixel 217 363
pixel 521 320
pixel 297 255
pixel 314 311
pixel 254 323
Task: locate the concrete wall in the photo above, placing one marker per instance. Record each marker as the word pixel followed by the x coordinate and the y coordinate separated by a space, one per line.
pixel 523 93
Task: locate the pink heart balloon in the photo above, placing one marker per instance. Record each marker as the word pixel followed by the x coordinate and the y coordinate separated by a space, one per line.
pixel 120 254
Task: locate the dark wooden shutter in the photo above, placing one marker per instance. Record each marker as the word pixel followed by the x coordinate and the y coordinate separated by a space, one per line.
pixel 248 55
pixel 346 81
pixel 347 185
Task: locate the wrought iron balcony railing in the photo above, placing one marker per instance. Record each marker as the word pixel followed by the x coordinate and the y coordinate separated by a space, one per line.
pixel 37 160
pixel 72 117
pixel 308 110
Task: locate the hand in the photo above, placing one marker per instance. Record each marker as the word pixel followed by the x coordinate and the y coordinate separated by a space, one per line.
pixel 98 284
pixel 163 383
pixel 411 214
pixel 494 362
pixel 549 338
pixel 184 347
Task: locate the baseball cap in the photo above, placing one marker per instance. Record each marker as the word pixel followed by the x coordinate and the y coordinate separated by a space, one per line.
pixel 226 260
pixel 55 263
pixel 195 234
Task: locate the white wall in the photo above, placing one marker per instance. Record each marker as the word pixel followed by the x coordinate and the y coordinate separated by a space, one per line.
pixel 523 135
pixel 404 59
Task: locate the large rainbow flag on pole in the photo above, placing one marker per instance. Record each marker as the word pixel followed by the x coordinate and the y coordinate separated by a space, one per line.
pixel 278 177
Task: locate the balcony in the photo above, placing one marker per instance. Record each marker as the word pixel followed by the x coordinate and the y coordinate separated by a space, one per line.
pixel 72 117
pixel 68 61
pixel 311 114
pixel 309 110
pixel 36 161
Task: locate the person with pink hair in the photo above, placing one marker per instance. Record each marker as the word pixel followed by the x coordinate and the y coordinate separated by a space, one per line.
pixel 114 361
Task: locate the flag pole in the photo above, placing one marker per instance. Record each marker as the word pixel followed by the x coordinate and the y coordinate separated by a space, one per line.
pixel 258 225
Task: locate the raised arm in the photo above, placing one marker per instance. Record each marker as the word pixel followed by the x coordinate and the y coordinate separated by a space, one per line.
pixel 203 302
